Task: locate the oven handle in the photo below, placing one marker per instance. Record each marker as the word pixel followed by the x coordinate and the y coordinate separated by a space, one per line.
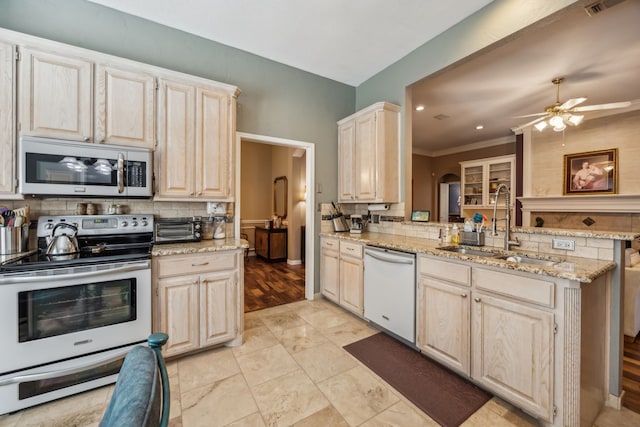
pixel 31 279
pixel 120 173
pixel 62 372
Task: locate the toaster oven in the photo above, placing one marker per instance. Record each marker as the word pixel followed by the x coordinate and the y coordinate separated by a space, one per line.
pixel 178 230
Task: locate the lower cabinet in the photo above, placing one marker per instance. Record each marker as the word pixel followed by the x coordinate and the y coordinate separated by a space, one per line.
pixel 497 328
pixel 342 273
pixel 197 301
pixel 271 244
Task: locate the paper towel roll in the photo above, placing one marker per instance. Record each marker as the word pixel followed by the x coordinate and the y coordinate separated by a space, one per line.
pixel 379 207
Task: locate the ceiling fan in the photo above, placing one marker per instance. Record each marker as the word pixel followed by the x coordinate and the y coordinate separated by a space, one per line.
pixel 559 114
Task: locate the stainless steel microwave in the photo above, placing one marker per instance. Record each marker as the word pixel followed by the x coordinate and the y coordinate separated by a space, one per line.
pixel 68 168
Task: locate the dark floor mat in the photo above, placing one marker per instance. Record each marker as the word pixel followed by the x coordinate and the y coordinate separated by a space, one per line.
pixel 443 395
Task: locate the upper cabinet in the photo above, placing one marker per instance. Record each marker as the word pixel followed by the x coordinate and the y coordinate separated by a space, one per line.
pixel 57 94
pixel 481 178
pixel 124 107
pixel 369 154
pixel 7 116
pixel 196 128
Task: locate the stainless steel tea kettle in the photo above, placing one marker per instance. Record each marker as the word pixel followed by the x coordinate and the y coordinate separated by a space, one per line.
pixel 63 244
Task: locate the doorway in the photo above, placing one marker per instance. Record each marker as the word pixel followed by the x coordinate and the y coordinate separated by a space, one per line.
pixel 302 201
pixel 449 199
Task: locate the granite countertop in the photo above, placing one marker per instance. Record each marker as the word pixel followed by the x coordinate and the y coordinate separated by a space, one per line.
pixel 614 235
pixel 572 268
pixel 199 247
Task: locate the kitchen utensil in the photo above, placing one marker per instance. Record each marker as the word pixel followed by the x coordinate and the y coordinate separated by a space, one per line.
pixel 63 244
pixel 14 240
pixel 219 224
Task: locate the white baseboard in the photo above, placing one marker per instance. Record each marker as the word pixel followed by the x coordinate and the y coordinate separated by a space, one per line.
pixel 294 261
pixel 614 402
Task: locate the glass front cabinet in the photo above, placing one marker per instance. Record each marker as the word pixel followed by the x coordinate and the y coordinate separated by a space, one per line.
pixel 481 178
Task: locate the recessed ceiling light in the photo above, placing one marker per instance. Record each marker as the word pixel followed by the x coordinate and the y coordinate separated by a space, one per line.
pixel 479 127
pixel 420 108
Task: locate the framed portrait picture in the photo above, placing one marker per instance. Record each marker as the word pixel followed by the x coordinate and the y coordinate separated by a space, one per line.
pixel 421 216
pixel 593 172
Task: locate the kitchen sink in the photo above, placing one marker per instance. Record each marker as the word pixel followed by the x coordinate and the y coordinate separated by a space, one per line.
pixel 468 251
pixel 519 259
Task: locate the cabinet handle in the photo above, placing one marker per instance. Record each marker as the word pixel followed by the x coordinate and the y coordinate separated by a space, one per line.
pixel 199 193
pixel 350 249
pixel 476 299
pixel 464 295
pixel 86 138
pixel 195 282
pixel 199 264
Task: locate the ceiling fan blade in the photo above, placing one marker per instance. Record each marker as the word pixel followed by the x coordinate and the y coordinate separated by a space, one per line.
pixel 530 115
pixel 572 103
pixel 609 106
pixel 532 122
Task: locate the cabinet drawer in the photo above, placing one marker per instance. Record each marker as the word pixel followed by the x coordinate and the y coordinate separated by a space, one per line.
pixel 329 243
pixel 446 270
pixel 528 289
pixel 351 249
pixel 196 263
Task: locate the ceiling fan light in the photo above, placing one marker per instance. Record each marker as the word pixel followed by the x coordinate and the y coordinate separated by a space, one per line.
pixel 560 128
pixel 540 125
pixel 576 119
pixel 556 121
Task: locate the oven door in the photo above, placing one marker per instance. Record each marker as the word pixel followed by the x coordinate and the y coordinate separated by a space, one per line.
pixel 51 315
pixel 49 166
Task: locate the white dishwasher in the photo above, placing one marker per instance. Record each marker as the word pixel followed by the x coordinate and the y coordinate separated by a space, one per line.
pixel 390 290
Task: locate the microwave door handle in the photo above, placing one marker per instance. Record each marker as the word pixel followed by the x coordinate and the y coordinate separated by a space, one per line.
pixel 120 173
pixel 93 274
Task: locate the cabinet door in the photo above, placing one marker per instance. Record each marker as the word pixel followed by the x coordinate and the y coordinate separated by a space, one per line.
pixel 443 323
pixel 513 352
pixel 346 172
pixel 178 313
pixel 473 185
pixel 278 245
pixel 175 153
pixel 213 144
pixel 124 107
pixel 366 158
pixel 55 94
pixel 262 243
pixel 217 307
pixel 7 118
pixel 351 284
pixel 329 273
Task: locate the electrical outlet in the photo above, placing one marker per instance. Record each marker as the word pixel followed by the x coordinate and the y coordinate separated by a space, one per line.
pixel 569 245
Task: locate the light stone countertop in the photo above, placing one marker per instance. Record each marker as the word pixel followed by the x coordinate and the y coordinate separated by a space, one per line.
pixel 614 235
pixel 198 247
pixel 572 268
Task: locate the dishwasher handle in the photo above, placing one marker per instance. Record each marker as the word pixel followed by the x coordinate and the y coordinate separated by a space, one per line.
pixel 395 260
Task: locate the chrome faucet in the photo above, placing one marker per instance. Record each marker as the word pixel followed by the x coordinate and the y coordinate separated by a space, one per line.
pixel 507 232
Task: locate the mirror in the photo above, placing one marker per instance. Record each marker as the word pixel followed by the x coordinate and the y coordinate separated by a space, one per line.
pixel 280 185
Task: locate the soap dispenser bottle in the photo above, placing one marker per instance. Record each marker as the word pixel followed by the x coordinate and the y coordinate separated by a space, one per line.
pixel 455 234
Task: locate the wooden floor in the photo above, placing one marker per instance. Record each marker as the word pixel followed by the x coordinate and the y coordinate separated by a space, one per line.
pixel 631 374
pixel 270 284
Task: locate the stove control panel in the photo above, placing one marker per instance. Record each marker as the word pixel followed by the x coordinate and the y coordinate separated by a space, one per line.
pixel 89 225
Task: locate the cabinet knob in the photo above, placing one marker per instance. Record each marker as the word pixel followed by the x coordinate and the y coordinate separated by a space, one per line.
pixel 86 138
pixel 476 299
pixel 464 295
pixel 199 193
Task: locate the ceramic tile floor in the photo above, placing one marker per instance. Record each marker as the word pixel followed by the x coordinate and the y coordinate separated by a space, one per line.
pixel 291 370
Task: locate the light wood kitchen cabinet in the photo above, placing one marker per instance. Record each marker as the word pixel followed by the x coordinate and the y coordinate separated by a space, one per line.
pixel 7 128
pixel 199 309
pixel 55 93
pixel 196 127
pixel 480 179
pixel 351 277
pixel 330 268
pixel 496 327
pixel 443 313
pixel 512 339
pixel 342 273
pixel 368 155
pixel 58 93
pixel 124 107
